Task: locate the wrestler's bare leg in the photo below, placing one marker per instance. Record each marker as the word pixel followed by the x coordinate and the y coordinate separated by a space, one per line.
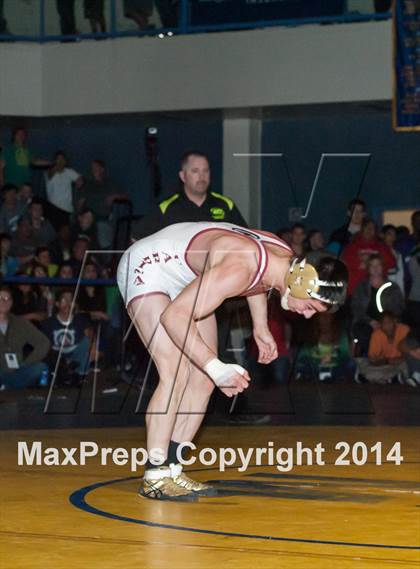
pixel 198 389
pixel 172 367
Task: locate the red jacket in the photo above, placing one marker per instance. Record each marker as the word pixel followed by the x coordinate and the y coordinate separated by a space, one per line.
pixel 356 254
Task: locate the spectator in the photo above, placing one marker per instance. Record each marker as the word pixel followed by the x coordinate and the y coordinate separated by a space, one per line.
pixel 92 299
pixel 385 360
pixel 61 246
pixel 297 238
pixel 25 197
pixel 405 244
pixel 65 9
pixel 326 353
pixel 17 371
pixel 24 243
pixel 17 160
pixel 341 237
pixel 410 348
pixel 139 11
pixel 65 271
pixel 98 194
pixel 27 301
pixel 59 182
pixel 370 298
pixel 85 227
pixel 396 274
pixel 42 230
pixel 43 259
pixel 356 255
pixel 68 334
pixel 10 210
pixel 8 264
pixel 413 304
pixel 46 295
pixel 194 202
pixel 94 12
pixel 315 246
pixel 79 249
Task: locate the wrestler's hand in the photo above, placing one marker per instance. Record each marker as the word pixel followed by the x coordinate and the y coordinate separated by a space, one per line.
pixel 229 378
pixel 236 384
pixel 267 347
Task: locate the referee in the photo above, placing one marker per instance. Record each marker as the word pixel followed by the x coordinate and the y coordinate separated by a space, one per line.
pixel 193 202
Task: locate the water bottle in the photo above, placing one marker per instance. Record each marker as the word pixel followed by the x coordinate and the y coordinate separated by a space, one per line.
pixel 43 380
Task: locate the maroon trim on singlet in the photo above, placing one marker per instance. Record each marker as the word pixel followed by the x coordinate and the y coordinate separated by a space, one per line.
pixel 147 294
pixel 280 243
pixel 228 231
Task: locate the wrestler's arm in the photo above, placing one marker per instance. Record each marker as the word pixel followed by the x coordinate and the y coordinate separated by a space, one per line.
pixel 267 347
pixel 200 298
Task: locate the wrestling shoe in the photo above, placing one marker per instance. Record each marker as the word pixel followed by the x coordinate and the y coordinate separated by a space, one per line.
pixel 157 484
pixel 185 482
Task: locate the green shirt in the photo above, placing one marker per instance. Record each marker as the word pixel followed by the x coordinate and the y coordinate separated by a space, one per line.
pixel 18 164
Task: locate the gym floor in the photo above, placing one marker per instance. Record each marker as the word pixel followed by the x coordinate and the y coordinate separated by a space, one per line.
pixel 347 516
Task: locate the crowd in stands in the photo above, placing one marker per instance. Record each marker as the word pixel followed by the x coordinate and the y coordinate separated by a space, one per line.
pixel 139 11
pixel 374 337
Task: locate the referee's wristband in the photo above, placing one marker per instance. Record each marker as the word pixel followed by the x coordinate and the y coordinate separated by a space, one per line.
pixel 222 373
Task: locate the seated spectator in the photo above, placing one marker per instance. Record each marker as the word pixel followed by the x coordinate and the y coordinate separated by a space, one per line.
pixel 98 194
pixel 65 271
pixel 92 299
pixel 385 359
pixel 8 264
pixel 85 227
pixel 356 255
pixel 69 334
pixel 46 295
pixel 10 210
pixel 326 353
pixel 61 246
pixel 78 252
pixel 16 370
pixel 25 196
pixel 297 238
pixel 28 302
pixel 371 297
pixel 341 237
pixel 43 258
pixel 410 348
pixel 59 186
pixel 24 243
pixel 396 273
pixel 413 304
pixel 42 229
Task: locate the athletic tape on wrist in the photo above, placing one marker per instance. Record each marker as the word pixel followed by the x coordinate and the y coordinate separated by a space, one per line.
pixel 221 373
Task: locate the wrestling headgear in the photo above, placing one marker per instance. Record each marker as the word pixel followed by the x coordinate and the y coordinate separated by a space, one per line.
pixel 303 282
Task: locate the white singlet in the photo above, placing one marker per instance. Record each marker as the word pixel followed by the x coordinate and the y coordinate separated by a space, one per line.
pixel 158 263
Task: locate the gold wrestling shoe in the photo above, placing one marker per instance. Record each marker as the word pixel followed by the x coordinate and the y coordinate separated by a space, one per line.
pixel 184 481
pixel 157 484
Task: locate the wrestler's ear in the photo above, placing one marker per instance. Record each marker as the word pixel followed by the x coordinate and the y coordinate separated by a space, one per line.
pixel 181 174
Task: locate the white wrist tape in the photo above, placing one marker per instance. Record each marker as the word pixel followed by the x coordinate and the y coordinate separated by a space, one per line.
pixel 221 373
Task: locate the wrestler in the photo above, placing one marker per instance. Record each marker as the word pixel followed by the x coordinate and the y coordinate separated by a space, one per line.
pixel 172 282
